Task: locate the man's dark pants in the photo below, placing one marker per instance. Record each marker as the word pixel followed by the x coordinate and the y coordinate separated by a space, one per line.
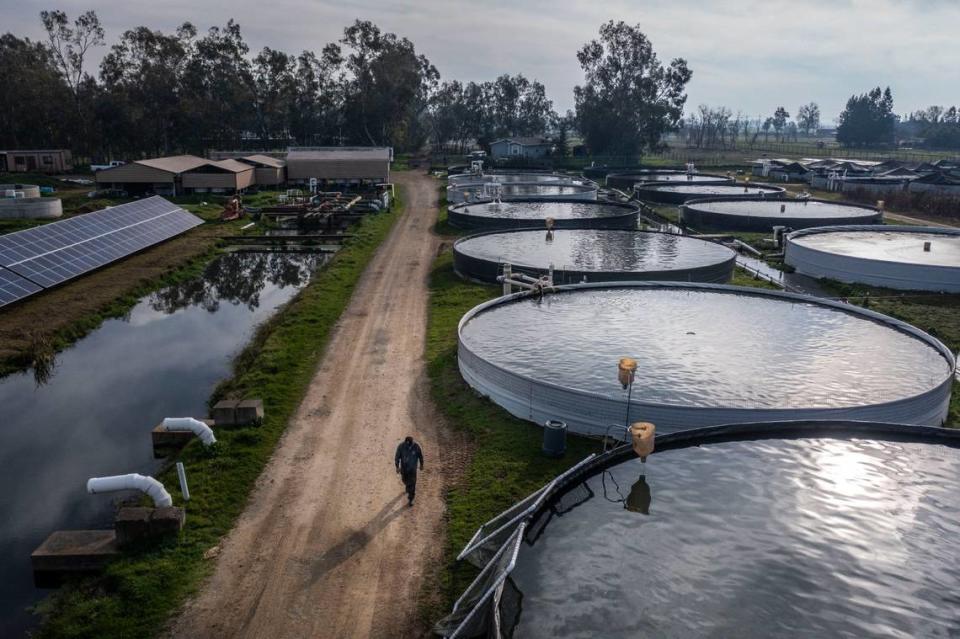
pixel 410 481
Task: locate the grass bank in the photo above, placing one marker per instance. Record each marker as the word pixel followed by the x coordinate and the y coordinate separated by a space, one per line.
pixel 506 463
pixel 137 593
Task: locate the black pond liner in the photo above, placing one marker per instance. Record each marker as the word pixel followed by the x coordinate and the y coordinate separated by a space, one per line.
pixel 627 180
pixel 699 214
pixel 487 269
pixel 573 491
pixel 678 193
pixel 619 216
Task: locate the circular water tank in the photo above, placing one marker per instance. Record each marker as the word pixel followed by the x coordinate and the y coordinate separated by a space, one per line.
pixel 707 353
pixel 627 180
pixel 789 530
pixel 505 178
pixel 667 193
pixel 901 257
pixel 534 213
pixel 761 215
pixel 35 208
pixel 593 255
pixel 554 438
pixel 544 190
pixel 21 190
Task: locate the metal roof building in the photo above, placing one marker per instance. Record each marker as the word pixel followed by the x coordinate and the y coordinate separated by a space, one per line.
pixel 267 171
pixel 178 174
pixel 351 164
pixel 36 161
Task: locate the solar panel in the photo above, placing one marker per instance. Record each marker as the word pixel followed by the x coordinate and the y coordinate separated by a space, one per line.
pixel 13 287
pixel 50 254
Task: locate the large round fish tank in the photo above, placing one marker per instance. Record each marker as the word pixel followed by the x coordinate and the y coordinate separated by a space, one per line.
pixel 899 257
pixel 545 190
pixel 529 177
pixel 794 530
pixel 627 180
pixel 593 255
pixel 667 193
pixel 760 215
pixel 534 213
pixel 707 354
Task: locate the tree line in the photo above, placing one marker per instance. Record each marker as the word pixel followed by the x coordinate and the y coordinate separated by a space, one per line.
pixel 158 93
pixel 718 127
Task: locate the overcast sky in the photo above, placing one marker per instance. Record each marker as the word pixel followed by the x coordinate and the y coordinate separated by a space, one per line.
pixel 750 55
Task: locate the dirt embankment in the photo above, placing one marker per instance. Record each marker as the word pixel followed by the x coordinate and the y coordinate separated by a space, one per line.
pixel 327 546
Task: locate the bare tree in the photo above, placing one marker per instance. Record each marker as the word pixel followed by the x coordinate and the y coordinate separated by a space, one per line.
pixel 70 45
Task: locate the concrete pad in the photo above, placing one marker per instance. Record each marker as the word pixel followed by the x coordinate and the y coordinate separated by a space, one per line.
pixel 70 552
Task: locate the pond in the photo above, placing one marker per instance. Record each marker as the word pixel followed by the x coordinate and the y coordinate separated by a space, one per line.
pixel 94 415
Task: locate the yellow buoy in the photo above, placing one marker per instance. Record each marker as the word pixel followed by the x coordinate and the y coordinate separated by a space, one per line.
pixel 642 434
pixel 626 370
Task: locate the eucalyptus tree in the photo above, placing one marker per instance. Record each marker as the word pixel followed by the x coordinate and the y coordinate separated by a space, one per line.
pixel 32 114
pixel 141 77
pixel 70 44
pixel 628 99
pixel 388 88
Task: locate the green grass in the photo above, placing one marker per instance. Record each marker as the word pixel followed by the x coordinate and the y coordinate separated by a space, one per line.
pixel 138 592
pixel 506 463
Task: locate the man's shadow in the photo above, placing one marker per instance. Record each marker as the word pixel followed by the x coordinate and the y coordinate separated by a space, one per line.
pixel 357 540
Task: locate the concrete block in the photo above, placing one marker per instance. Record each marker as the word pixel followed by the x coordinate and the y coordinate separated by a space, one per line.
pixel 70 552
pixel 249 411
pixel 164 440
pixel 132 524
pixel 166 521
pixel 224 412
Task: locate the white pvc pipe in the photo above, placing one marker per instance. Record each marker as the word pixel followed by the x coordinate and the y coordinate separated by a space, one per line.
pixel 195 426
pixel 147 485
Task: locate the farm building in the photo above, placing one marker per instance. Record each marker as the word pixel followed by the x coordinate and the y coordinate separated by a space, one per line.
pixel 780 169
pixel 223 176
pixel 177 175
pixel 267 171
pixel 529 147
pixel 36 161
pixel 339 164
pixel 870 184
pixel 941 183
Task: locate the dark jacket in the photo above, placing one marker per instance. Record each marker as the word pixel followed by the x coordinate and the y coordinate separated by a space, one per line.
pixel 407 457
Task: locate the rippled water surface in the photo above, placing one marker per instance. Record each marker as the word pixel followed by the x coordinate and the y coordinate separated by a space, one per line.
pixel 108 391
pixel 792 208
pixel 673 177
pixel 889 246
pixel 706 190
pixel 542 210
pixel 541 189
pixel 597 250
pixel 806 539
pixel 508 177
pixel 703 348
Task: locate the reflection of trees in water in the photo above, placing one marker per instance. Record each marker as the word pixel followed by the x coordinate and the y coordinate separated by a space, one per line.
pixel 238 278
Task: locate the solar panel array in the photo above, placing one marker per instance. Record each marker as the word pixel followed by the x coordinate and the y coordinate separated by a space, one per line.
pixel 13 287
pixel 48 255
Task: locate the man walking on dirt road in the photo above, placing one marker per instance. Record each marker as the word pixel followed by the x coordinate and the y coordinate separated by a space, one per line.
pixel 408 454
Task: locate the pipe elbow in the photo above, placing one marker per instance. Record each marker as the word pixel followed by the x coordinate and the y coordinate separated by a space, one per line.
pixel 134 481
pixel 189 424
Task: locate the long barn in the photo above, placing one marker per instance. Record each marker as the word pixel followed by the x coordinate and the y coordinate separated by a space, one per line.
pixel 339 164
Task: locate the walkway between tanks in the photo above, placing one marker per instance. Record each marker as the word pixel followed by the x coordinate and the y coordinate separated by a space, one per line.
pixel 327 546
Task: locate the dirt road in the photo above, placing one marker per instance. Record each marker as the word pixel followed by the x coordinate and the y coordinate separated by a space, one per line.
pixel 327 546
